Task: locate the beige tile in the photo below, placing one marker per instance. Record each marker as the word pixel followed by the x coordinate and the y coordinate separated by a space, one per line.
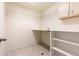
pixel 34 50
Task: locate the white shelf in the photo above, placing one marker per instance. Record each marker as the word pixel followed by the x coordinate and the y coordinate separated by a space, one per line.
pixel 67 42
pixel 56 30
pixel 61 51
pixel 40 30
pixel 69 16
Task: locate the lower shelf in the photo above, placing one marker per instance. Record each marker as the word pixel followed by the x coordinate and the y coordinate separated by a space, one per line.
pixel 62 51
pixel 67 42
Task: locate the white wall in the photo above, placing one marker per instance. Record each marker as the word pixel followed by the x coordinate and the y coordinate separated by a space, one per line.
pixel 52 21
pixel 2 20
pixel 19 25
pixel 2 29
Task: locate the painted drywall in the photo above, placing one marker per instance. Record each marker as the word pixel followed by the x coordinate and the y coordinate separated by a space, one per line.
pixel 2 20
pixel 19 25
pixel 51 20
pixel 2 29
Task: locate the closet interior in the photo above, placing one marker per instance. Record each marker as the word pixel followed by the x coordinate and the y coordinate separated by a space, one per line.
pixel 39 29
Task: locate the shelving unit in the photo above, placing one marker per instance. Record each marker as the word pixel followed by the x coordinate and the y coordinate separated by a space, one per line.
pixel 59 49
pixel 69 47
pixel 66 42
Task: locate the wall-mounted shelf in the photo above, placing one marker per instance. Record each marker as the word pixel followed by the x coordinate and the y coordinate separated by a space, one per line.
pixel 62 51
pixel 67 42
pixel 69 17
pixel 40 30
pixel 3 40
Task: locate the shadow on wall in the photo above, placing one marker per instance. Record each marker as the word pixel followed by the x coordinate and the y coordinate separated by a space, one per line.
pixel 37 35
pixel 72 21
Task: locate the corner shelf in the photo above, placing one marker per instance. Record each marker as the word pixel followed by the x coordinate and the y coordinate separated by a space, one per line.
pixel 69 16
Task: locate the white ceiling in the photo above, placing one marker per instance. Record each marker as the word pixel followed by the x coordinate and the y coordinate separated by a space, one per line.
pixel 37 6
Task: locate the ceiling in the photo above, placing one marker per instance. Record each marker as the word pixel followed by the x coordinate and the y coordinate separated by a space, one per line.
pixel 37 6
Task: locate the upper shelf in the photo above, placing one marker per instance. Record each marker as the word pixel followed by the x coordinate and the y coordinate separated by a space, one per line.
pixel 40 30
pixel 69 17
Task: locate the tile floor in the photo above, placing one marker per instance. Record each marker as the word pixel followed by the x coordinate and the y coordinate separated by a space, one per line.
pixel 34 50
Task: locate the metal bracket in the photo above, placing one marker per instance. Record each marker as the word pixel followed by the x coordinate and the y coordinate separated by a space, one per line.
pixel 3 40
